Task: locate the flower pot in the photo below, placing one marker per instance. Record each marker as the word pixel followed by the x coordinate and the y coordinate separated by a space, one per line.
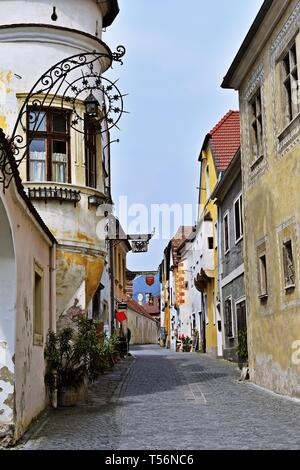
pixel 73 395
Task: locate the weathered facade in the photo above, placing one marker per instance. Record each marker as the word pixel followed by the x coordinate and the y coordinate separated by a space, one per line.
pixel 27 308
pixel 173 291
pixel 64 171
pixel 266 74
pixel 219 147
pixel 229 199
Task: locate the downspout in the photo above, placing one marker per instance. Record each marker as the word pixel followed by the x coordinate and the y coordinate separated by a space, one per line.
pixel 52 290
pixel 52 308
pixel 112 286
pixel 220 228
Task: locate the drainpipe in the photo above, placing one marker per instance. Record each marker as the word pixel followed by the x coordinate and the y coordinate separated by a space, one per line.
pixel 112 286
pixel 52 302
pixel 52 309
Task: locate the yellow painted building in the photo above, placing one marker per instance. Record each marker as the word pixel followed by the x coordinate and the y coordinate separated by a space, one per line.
pixel 218 149
pixel 266 74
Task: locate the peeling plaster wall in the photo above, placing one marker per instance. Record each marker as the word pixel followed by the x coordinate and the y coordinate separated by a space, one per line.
pixel 80 254
pixel 272 212
pixel 23 389
pixel 7 321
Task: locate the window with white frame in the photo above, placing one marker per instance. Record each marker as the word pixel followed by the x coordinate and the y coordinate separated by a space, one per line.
pixel 226 233
pixel 256 126
pixel 238 218
pixel 288 264
pixel 290 84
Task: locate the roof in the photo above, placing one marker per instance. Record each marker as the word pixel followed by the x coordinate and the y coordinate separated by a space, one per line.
pixel 228 178
pixel 181 235
pixel 225 139
pixel 133 305
pixel 247 41
pixel 153 309
pixel 112 12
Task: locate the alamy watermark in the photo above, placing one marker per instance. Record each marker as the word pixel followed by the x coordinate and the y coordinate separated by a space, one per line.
pixel 161 220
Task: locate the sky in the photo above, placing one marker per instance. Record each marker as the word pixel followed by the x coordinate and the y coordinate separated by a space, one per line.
pixel 176 56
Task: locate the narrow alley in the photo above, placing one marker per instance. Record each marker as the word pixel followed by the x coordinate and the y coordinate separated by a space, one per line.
pixel 157 399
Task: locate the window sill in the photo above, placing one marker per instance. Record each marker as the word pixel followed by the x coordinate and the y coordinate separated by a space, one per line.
pixel 227 252
pixel 239 240
pixel 289 128
pixel 263 296
pixel 256 162
pixel 290 287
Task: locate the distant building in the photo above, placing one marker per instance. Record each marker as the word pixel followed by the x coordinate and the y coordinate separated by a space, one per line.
pixel 143 327
pixel 219 147
pixel 229 199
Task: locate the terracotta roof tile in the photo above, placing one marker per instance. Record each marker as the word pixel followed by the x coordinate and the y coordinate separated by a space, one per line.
pixel 153 309
pixel 181 235
pixel 225 139
pixel 133 305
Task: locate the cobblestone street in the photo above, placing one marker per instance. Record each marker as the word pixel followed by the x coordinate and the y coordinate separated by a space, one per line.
pixel 162 400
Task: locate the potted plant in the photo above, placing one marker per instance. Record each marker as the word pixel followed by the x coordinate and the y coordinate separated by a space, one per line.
pixel 242 348
pixel 187 344
pixel 73 357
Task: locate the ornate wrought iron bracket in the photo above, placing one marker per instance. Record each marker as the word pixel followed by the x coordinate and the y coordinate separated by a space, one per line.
pixel 66 85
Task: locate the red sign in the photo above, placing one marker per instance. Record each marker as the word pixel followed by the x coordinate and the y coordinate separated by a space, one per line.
pixel 150 280
pixel 121 316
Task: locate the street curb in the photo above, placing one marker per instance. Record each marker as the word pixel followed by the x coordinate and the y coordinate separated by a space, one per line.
pixel 117 393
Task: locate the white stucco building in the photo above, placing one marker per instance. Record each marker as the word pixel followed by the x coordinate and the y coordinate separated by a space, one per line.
pixel 65 166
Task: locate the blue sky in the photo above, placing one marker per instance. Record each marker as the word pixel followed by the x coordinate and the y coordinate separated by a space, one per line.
pixel 175 61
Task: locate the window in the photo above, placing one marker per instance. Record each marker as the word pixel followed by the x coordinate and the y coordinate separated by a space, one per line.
pixel 38 307
pixel 90 154
pixel 228 318
pixel 226 233
pixel 210 243
pixel 48 146
pixel 290 84
pixel 288 265
pixel 238 219
pixel 263 280
pixel 186 285
pixel 256 126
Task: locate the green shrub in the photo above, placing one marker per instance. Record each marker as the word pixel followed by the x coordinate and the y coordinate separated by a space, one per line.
pixel 242 348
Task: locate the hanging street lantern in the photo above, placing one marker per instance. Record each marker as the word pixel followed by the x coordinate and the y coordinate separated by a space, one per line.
pixel 91 105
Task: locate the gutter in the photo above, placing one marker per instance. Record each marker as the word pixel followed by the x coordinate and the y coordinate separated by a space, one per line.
pixel 113 11
pixel 246 43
